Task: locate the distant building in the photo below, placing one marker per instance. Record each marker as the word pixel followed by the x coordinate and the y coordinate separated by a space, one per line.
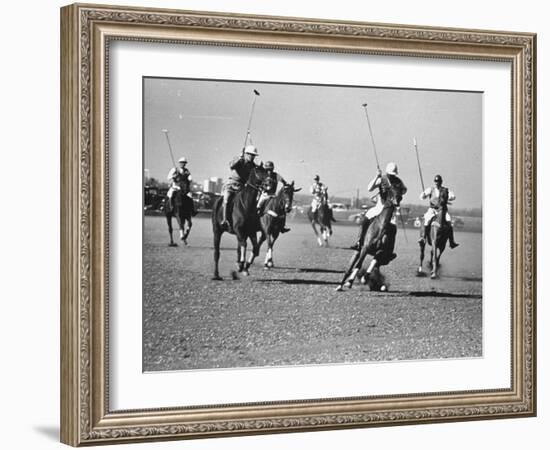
pixel 213 185
pixel 208 186
pixel 218 184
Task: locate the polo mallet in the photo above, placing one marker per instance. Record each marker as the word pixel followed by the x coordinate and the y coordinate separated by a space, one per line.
pixel 418 161
pixel 165 131
pixel 371 136
pixel 256 95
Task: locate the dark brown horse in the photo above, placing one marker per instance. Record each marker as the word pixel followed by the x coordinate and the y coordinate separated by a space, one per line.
pixel 379 243
pixel 245 222
pixel 182 208
pixel 323 218
pixel 273 219
pixel 440 230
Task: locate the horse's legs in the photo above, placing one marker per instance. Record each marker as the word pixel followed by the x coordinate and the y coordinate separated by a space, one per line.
pixel 261 241
pixel 241 254
pixel 319 241
pixel 422 245
pixel 355 264
pixel 255 252
pixel 217 239
pixel 352 262
pixel 433 253
pixel 438 252
pixel 358 265
pixel 268 262
pixel 325 233
pixel 435 265
pixel 373 264
pixel 170 230
pixel 187 230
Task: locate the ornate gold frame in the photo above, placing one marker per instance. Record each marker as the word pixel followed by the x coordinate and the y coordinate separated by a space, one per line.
pixel 86 31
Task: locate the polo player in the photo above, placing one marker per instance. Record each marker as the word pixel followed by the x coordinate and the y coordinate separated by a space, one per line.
pixel 433 194
pixel 240 166
pixel 269 188
pixel 382 182
pixel 320 194
pixel 180 180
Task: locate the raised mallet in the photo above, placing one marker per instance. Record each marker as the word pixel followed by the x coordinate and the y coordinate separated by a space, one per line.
pixel 165 131
pixel 371 136
pixel 256 95
pixel 418 161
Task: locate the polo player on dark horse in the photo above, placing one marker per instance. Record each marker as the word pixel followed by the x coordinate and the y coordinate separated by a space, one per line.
pixel 237 212
pixel 438 228
pixel 377 233
pixel 273 206
pixel 178 204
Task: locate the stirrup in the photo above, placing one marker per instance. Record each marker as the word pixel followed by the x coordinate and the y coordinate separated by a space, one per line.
pixel 453 244
pixel 285 230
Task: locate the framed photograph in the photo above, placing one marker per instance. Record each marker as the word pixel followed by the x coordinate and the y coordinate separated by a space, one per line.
pixel 275 224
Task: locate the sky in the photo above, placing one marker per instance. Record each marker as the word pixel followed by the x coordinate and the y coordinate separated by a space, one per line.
pixel 311 129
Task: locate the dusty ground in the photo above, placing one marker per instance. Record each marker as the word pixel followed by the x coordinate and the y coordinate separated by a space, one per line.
pixel 292 315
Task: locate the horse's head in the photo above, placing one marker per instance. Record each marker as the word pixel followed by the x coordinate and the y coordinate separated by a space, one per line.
pixel 443 197
pixel 257 176
pixel 391 194
pixel 288 192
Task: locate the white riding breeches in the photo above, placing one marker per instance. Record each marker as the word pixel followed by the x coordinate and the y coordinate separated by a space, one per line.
pixel 431 213
pixel 315 203
pixel 374 211
pixel 264 196
pixel 172 189
pixel 377 209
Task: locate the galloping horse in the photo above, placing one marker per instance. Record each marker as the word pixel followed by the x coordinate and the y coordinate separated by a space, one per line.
pixel 245 222
pixel 440 230
pixel 322 217
pixel 379 243
pixel 272 221
pixel 182 209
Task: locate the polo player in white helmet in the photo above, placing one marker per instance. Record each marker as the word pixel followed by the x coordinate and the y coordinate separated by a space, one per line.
pixel 320 194
pixel 180 179
pixel 432 193
pixel 380 182
pixel 240 166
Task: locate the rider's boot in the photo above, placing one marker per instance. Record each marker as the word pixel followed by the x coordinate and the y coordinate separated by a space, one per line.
pixel 361 235
pixel 285 229
pixel 452 242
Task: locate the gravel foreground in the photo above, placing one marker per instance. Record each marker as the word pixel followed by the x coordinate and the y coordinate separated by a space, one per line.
pixel 291 315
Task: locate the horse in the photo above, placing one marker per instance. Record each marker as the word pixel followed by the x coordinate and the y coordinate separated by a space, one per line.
pixel 182 208
pixel 245 222
pixel 322 217
pixel 272 220
pixel 440 230
pixel 379 243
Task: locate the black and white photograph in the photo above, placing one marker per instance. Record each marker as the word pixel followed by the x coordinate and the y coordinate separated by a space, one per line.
pixel 298 224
